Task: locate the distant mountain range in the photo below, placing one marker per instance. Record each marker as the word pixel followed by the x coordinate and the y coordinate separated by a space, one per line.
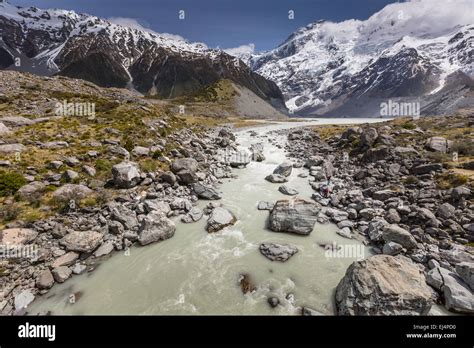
pixel 110 55
pixel 412 51
pixel 416 51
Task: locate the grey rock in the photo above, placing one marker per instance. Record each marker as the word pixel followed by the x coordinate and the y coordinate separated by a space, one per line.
pixel 126 174
pixel 11 148
pixel 284 169
pixel 70 192
pixel 206 192
pixel 466 272
pixel 445 211
pixel 65 260
pixel 61 274
pixel 295 216
pixel 276 178
pixel 392 216
pixel 155 227
pixel 125 216
pixel 194 215
pixel 265 205
pixel 392 248
pixel 219 219
pixel 105 249
pixel 438 144
pixel 278 252
pixel 185 169
pixel 394 233
pixel 82 241
pixel 383 285
pixel 287 190
pixel 31 190
pixel 45 280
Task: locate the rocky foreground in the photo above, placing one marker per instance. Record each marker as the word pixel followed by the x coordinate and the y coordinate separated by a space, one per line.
pixel 73 189
pixel 402 189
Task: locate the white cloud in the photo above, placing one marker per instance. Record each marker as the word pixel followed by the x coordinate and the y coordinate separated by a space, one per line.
pixel 241 50
pixel 135 24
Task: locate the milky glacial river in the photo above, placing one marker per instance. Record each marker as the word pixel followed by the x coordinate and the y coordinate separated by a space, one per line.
pixel 198 273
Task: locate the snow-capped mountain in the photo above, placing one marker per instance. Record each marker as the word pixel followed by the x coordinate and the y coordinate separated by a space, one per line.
pixel 422 50
pixel 87 47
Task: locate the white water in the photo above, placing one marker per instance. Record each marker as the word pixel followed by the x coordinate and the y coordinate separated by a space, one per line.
pixel 198 273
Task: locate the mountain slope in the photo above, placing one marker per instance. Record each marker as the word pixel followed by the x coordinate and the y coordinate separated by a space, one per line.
pixel 407 50
pixel 80 46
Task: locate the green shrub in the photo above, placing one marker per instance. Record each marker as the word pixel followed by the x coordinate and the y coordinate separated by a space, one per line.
pixel 409 125
pixel 10 182
pixel 463 147
pixel 102 165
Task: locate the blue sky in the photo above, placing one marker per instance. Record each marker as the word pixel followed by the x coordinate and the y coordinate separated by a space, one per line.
pixel 222 23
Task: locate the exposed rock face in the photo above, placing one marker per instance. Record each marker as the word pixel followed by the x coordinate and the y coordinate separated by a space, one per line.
pixel 126 175
pixel 295 216
pixel 219 219
pixel 185 169
pixel 383 285
pixel 278 252
pixel 284 169
pixel 86 241
pixel 155 227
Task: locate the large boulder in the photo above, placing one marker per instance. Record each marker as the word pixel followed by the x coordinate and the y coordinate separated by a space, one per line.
pixel 31 190
pixel 295 216
pixel 277 252
pixel 438 144
pixel 206 192
pixel 17 236
pixel 126 174
pixel 383 285
pixel 458 297
pixel 219 219
pixel 155 227
pixel 185 169
pixel 284 169
pixel 394 233
pixel 82 241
